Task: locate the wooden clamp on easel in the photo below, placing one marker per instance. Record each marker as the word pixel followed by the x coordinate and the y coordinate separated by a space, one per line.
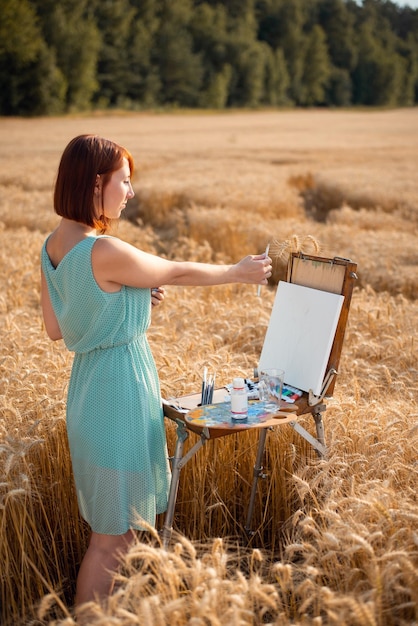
pixel 304 337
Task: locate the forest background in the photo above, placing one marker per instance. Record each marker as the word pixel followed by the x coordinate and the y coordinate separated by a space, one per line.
pixel 73 55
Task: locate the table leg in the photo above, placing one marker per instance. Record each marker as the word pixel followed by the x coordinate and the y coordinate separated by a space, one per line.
pixel 257 473
pixel 182 435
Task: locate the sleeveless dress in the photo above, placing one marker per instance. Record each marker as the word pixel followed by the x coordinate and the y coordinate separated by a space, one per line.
pixel 115 421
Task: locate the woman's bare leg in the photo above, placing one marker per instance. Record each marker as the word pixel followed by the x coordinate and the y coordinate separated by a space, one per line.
pixel 99 565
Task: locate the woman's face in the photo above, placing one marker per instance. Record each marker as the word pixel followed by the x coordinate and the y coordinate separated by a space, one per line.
pixel 116 193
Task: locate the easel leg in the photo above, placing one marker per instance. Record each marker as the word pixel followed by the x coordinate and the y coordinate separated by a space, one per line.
pixel 320 432
pixel 257 473
pixel 182 435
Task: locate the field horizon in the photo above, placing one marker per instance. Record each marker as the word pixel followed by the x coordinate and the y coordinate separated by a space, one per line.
pixel 336 539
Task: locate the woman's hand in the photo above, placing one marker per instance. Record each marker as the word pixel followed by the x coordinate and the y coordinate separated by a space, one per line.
pixel 157 295
pixel 254 269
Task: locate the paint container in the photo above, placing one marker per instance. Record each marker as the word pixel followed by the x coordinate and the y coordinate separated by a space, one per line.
pixel 239 399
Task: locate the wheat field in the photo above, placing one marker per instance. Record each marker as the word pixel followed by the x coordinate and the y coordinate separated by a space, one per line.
pixel 336 539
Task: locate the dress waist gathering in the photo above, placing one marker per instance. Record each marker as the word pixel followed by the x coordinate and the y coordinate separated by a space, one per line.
pixel 116 344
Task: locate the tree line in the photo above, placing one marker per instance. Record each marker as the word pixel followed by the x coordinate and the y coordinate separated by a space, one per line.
pixel 73 55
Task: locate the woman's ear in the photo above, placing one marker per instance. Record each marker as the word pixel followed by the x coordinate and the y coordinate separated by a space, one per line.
pixel 98 185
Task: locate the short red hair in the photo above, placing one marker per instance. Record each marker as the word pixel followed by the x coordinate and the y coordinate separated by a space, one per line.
pixel 85 157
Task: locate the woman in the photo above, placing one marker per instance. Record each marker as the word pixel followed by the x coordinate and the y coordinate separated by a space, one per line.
pixel 96 295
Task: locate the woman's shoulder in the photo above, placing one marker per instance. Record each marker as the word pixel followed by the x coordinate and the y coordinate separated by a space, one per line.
pixel 105 244
pixel 117 258
pixel 109 250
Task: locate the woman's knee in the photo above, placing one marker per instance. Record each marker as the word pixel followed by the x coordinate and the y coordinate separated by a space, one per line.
pixel 112 544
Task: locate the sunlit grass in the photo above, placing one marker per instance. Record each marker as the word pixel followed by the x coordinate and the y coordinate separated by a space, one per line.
pixel 335 539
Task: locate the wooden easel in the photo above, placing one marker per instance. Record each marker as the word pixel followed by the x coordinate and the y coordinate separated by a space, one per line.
pixel 336 275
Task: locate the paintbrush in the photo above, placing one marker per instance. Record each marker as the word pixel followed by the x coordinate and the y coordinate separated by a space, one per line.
pixel 265 256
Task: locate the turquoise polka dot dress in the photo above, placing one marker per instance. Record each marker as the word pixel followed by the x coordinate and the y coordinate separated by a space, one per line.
pixel 115 421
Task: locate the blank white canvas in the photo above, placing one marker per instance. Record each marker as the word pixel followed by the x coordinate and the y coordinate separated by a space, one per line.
pixel 300 334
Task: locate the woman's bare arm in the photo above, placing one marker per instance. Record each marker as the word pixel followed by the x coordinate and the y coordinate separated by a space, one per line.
pixel 51 323
pixel 116 262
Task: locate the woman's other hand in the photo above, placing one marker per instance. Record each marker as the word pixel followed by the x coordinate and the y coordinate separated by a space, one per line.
pixel 157 295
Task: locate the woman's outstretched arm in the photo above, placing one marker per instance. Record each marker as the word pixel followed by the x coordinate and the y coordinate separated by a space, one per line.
pixel 116 262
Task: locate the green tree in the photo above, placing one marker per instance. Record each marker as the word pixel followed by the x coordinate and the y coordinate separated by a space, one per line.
pixel 248 57
pixel 294 46
pixel 114 71
pixel 408 50
pixel 208 29
pixel 269 22
pixel 30 82
pixel 316 68
pixel 379 73
pixel 20 42
pixel 145 83
pixel 44 87
pixel 339 90
pixel 338 24
pixel 276 78
pixel 179 67
pixel 20 35
pixel 215 96
pixel 70 30
pixel 250 72
pixel 394 33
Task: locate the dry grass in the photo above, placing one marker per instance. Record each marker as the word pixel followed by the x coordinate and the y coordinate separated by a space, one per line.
pixel 336 540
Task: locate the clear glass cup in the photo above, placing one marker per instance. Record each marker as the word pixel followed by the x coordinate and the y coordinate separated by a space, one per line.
pixel 270 388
